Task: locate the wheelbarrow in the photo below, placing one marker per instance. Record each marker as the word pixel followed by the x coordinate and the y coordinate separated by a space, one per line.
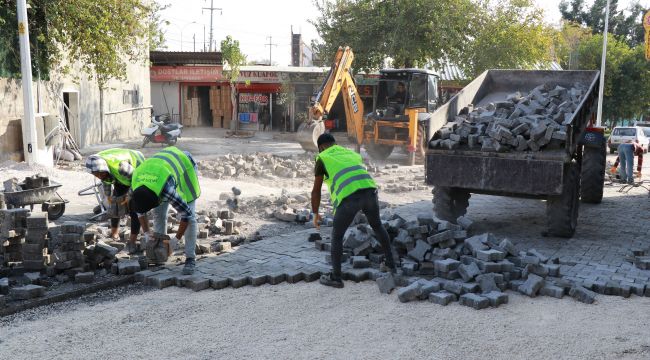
pixel 50 200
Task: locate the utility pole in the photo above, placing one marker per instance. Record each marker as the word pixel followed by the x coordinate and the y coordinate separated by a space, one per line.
pixel 30 141
pixel 270 45
pixel 603 61
pixel 212 9
pixel 194 41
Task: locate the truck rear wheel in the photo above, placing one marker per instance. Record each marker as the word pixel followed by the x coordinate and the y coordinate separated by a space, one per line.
pixel 562 210
pixel 450 203
pixel 378 151
pixel 592 179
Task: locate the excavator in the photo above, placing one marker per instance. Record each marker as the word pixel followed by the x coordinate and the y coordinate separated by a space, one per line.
pixel 401 117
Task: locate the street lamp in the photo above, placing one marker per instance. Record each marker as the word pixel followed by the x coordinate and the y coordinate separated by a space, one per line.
pixel 601 86
pixel 183 29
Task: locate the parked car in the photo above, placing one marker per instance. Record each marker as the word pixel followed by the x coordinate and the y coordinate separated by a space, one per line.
pixel 628 134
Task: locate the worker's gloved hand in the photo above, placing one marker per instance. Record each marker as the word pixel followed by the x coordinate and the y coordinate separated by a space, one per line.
pixel 637 174
pixel 317 221
pixel 109 199
pixel 613 169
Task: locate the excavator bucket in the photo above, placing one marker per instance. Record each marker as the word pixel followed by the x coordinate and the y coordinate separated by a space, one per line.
pixel 308 133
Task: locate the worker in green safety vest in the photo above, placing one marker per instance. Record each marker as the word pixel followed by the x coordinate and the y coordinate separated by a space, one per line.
pixel 114 167
pixel 169 178
pixel 351 189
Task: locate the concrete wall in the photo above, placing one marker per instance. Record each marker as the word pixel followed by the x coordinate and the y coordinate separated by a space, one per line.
pixel 124 113
pixel 164 97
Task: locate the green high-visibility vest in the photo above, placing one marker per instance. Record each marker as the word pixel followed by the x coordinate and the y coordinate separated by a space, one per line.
pixel 156 170
pixel 345 173
pixel 114 157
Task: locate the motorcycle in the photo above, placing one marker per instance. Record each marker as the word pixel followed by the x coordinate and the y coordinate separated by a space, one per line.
pixel 161 131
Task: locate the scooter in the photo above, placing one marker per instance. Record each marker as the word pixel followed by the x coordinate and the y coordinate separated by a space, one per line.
pixel 161 131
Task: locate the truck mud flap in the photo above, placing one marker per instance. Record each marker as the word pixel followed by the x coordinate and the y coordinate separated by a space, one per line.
pixel 484 174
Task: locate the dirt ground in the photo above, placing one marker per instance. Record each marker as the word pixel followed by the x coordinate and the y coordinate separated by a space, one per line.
pixel 307 321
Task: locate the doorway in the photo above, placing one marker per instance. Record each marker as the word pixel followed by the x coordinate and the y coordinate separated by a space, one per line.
pixel 71 114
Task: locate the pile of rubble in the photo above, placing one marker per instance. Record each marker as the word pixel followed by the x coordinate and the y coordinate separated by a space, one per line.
pixel 13 228
pixel 522 122
pixel 441 263
pixel 259 165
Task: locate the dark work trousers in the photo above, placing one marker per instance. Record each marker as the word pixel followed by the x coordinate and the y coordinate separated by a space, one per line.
pixel 119 190
pixel 366 201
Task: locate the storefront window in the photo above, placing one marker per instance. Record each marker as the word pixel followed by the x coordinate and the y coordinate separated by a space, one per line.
pixel 253 110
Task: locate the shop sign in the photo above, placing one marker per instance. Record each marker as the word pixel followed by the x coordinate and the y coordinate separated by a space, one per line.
pixel 261 99
pixel 258 76
pixel 186 73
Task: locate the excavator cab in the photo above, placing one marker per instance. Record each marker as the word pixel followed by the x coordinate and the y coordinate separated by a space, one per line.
pixel 405 97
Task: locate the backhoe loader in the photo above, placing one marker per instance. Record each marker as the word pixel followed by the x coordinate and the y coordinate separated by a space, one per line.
pixel 401 117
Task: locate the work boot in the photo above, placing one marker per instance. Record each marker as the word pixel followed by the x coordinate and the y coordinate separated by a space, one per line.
pixel 329 280
pixel 131 248
pixel 188 269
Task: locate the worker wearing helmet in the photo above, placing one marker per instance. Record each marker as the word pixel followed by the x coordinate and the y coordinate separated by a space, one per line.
pixel 351 189
pixel 114 167
pixel 169 178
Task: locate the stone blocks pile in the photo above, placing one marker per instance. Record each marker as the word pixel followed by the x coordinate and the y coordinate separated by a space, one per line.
pixel 69 253
pixel 13 227
pixel 521 122
pixel 258 165
pixel 34 258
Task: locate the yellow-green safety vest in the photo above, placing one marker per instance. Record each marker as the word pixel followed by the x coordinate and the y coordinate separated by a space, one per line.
pixel 345 173
pixel 156 170
pixel 114 157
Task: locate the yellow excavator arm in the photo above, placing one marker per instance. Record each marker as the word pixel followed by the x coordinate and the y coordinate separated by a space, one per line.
pixel 339 80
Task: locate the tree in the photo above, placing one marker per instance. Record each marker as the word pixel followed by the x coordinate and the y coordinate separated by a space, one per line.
pixel 626 24
pixel 476 34
pixel 627 76
pixel 507 35
pixel 234 59
pixel 101 36
pixel 566 42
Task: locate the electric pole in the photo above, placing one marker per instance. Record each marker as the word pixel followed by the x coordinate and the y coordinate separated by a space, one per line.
pixel 212 10
pixel 603 61
pixel 270 45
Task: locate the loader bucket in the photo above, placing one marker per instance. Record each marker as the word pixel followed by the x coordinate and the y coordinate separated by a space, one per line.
pixel 308 133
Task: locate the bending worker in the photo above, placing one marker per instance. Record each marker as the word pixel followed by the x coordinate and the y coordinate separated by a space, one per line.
pixel 168 178
pixel 114 167
pixel 351 189
pixel 626 154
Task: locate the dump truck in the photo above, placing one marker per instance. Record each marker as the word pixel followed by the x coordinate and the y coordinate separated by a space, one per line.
pixel 561 175
pixel 406 98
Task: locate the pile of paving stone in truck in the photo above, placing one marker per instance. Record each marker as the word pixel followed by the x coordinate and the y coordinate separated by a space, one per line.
pixel 439 262
pixel 520 122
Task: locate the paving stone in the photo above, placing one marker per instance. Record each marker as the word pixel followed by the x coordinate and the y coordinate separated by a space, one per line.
pixel 276 278
pixel 409 293
pixel 487 283
pixel 428 286
pixel 470 288
pixel 419 251
pixel 360 262
pixel 552 291
pixel 475 301
pixel 219 283
pixel 141 276
pixel 476 243
pixel 488 267
pixel 532 285
pixel 553 269
pixel 469 272
pixel 446 265
pixel 583 295
pixel 490 255
pixel 453 287
pixel 386 283
pixel 356 275
pixel 27 292
pixel 540 270
pixel 161 281
pixel 311 275
pixel 128 267
pixel 538 255
pixel 530 259
pixel 257 279
pixel 197 283
pixel 442 297
pixel 237 281
pixel 85 277
pixel 496 298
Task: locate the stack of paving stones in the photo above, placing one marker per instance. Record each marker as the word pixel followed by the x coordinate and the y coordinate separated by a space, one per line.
pixel 521 122
pixel 13 227
pixel 440 262
pixel 259 165
pixel 640 258
pixel 35 242
pixel 69 254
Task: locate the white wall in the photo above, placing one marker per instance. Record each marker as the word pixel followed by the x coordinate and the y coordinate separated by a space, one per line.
pixel 164 97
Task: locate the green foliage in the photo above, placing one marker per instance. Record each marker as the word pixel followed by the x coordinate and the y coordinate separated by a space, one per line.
pixel 627 25
pixel 566 42
pixel 233 57
pixel 156 33
pixel 10 47
pixel 476 34
pixel 627 75
pixel 101 36
pixel 507 35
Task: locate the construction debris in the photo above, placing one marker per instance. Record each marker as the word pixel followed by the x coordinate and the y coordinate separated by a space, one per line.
pixel 521 122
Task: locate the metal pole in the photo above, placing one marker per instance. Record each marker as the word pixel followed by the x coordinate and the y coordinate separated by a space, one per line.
pixel 194 41
pixel 211 9
pixel 599 114
pixel 30 146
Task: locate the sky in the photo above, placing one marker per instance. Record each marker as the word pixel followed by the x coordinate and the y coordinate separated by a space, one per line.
pixel 252 22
